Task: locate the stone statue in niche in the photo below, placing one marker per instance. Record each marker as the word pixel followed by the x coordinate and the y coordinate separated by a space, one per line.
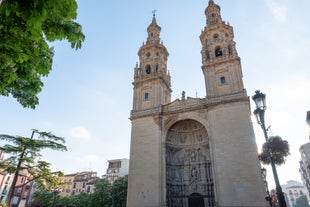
pixel 201 156
pixel 194 174
pixel 193 156
pixel 199 136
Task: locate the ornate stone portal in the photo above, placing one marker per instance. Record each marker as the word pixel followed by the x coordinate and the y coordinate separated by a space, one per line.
pixel 189 179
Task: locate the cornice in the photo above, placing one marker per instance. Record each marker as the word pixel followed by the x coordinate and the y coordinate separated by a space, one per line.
pixel 189 104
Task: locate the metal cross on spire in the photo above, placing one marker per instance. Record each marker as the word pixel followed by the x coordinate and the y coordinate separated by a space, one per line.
pixel 154 12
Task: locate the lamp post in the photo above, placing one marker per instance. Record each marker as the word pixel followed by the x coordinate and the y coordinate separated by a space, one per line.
pixel 260 101
pixel 267 197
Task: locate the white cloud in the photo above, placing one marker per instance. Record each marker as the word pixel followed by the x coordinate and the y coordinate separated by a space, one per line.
pixel 278 11
pixel 80 132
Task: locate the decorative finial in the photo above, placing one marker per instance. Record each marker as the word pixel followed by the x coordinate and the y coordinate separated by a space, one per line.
pixel 154 12
pixel 183 95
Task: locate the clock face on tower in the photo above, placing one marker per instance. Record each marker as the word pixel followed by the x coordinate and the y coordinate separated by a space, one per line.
pixel 148 70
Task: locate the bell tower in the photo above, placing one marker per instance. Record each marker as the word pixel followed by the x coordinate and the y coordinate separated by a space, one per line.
pixel 152 90
pixel 152 86
pixel 220 61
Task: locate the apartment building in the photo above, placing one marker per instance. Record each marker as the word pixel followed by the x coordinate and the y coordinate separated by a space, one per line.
pixel 116 168
pixel 305 160
pixel 5 184
pixel 292 191
pixel 305 165
pixel 22 189
pixel 67 184
pixel 83 181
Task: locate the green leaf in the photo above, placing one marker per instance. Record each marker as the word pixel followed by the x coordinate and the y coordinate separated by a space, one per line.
pixel 7 12
pixel 25 29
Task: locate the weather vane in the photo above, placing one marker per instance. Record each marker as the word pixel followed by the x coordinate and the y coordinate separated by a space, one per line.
pixel 154 12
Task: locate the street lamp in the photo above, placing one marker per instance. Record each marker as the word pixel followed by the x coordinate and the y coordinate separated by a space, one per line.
pixel 267 197
pixel 260 101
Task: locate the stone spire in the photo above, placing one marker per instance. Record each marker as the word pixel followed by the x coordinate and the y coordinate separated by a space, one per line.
pixel 153 31
pixel 213 13
pixel 220 62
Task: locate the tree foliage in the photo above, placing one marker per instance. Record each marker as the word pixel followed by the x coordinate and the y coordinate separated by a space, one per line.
pixel 278 148
pixel 26 27
pixel 24 153
pixel 43 197
pixel 302 201
pixel 119 192
pixel 49 198
pixel 104 195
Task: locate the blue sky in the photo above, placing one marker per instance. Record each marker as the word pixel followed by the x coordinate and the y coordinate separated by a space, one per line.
pixel 87 97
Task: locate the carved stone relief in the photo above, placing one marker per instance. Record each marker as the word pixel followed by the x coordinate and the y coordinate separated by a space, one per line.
pixel 189 168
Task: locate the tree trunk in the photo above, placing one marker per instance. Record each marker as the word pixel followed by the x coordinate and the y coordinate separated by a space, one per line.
pixel 16 173
pixel 12 188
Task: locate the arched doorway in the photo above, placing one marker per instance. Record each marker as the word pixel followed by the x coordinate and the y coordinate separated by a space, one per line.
pixel 188 166
pixel 196 200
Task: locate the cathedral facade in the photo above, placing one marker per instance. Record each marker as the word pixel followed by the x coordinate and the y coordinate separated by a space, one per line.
pixel 193 152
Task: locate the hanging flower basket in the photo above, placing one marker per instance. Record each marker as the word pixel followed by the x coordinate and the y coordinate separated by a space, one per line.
pixel 279 149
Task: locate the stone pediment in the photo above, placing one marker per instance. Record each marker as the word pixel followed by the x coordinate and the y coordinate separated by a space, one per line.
pixel 189 102
pixel 174 103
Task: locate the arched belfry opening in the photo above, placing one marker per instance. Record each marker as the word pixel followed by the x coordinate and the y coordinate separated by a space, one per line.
pixel 189 180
